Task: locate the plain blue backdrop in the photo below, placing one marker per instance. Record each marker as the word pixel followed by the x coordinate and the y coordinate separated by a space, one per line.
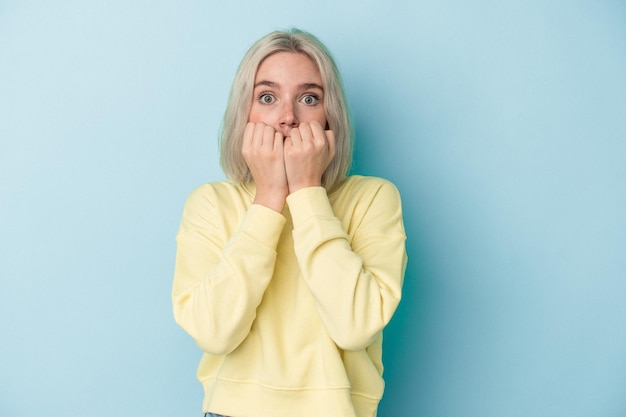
pixel 503 124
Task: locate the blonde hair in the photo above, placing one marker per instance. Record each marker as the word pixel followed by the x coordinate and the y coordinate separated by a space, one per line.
pixel 240 101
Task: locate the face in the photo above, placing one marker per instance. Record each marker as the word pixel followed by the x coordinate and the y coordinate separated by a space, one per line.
pixel 288 90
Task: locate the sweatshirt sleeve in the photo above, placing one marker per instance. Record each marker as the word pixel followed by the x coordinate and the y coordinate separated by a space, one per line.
pixel 356 279
pixel 219 280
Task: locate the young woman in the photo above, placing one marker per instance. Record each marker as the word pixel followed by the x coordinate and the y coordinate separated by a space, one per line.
pixel 287 273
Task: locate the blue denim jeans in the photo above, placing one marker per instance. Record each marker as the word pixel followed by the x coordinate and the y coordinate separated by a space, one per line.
pixel 213 415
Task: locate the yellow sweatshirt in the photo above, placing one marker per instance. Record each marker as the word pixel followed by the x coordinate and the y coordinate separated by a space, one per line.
pixel 289 308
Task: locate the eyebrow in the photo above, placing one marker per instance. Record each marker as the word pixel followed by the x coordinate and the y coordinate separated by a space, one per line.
pixel 305 86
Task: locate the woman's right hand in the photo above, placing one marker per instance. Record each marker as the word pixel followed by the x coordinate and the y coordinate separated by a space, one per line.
pixel 263 152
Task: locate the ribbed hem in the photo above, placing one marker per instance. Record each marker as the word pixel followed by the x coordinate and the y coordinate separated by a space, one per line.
pixel 243 399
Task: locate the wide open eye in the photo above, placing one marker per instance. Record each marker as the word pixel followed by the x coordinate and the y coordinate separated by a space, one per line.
pixel 266 98
pixel 310 99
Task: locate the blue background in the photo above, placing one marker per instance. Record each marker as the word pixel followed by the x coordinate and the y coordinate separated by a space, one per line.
pixel 502 123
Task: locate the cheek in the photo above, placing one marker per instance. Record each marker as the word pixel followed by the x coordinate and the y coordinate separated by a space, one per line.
pixel 260 114
pixel 318 116
pixel 253 115
pixel 323 121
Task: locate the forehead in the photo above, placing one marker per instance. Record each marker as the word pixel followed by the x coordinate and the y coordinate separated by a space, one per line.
pixel 288 66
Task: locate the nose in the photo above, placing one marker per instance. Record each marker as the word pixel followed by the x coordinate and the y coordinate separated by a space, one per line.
pixel 288 116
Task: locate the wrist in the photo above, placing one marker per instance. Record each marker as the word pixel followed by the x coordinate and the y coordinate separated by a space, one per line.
pixel 271 200
pixel 298 187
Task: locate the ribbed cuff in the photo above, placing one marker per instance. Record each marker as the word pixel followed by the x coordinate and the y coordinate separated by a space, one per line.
pixel 309 202
pixel 263 225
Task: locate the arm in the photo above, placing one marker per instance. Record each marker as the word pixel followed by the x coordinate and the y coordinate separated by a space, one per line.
pixel 356 278
pixel 219 280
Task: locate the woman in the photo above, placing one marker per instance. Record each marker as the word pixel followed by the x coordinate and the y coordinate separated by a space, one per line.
pixel 287 273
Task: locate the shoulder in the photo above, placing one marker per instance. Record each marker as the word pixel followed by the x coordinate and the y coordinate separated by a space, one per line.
pixel 215 193
pixel 359 197
pixel 212 188
pixel 359 185
pixel 369 205
pixel 213 198
pixel 212 205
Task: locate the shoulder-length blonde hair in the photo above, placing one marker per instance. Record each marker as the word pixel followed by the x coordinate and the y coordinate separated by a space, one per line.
pixel 240 101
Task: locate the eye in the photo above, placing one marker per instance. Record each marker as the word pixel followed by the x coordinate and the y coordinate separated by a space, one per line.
pixel 310 99
pixel 266 98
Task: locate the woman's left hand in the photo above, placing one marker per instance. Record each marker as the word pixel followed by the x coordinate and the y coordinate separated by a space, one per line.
pixel 308 151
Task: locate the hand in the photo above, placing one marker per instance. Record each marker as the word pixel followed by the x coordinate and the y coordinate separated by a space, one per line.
pixel 263 152
pixel 308 152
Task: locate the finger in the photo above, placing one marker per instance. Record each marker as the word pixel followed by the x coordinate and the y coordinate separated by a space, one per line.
pixel 256 134
pixel 287 143
pixel 318 134
pixel 332 145
pixel 268 136
pixel 248 134
pixel 296 136
pixel 279 140
pixel 305 132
